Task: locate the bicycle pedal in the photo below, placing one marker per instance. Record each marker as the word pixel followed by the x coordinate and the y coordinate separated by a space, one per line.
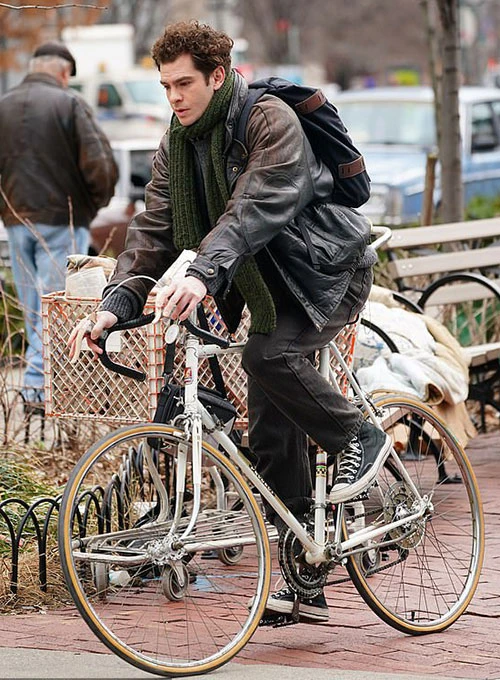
pixel 276 620
pixel 363 496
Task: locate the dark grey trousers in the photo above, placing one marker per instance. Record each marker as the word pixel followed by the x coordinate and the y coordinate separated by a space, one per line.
pixel 288 399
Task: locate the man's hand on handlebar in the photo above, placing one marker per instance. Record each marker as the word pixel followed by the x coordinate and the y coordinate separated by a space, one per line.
pixel 175 301
pixel 91 331
pixel 180 298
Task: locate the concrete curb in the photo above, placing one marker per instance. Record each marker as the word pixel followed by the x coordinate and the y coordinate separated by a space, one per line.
pixel 36 663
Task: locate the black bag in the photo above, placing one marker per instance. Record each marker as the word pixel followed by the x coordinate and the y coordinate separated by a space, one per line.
pixel 325 131
pixel 171 404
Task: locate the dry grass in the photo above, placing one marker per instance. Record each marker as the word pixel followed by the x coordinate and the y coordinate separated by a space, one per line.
pixel 22 476
pixel 29 596
pixel 32 469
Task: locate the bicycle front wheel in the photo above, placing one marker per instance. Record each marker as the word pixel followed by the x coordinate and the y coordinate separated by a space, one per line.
pixel 420 577
pixel 149 586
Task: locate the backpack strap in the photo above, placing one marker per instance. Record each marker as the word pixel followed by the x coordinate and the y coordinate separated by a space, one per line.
pixel 254 94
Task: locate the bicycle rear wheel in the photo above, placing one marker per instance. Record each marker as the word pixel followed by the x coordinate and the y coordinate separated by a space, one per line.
pixel 425 579
pixel 161 603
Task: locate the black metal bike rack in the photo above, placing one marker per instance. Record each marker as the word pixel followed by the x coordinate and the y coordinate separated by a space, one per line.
pixel 98 502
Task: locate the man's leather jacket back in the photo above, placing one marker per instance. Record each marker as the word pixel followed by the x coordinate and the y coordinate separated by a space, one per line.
pixel 54 158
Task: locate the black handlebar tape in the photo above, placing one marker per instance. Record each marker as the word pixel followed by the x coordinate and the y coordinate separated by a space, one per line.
pixel 143 321
pixel 112 365
pixel 205 335
pixel 133 323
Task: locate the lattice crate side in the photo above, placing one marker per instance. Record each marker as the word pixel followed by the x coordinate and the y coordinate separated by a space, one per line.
pixel 86 389
pixel 234 376
pixel 346 342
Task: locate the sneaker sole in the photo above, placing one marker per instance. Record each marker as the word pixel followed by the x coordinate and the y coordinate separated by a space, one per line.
pixel 279 607
pixel 274 606
pixel 305 610
pixel 352 490
pixel 313 613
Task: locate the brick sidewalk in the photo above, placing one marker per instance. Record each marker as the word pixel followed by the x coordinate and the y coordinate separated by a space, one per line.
pixel 354 639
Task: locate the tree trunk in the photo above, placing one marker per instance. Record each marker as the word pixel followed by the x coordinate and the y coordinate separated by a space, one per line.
pixel 435 73
pixel 450 151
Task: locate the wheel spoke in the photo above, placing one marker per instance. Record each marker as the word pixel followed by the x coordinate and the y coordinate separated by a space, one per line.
pixel 175 608
pixel 440 555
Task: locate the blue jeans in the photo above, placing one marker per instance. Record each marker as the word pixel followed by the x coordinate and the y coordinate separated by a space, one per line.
pixel 38 258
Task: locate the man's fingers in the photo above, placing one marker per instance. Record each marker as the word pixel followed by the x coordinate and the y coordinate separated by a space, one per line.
pixel 90 332
pixel 72 336
pixel 161 300
pixel 93 346
pixel 96 331
pixel 179 299
pixel 184 314
pixel 171 307
pixel 104 320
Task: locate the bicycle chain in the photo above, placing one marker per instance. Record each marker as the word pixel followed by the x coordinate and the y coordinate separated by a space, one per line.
pixel 312 585
pixel 370 572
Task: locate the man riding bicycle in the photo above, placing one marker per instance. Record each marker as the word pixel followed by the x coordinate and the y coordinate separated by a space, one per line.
pixel 245 220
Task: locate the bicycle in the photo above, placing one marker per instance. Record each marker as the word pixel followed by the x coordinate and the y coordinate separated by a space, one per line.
pixel 168 557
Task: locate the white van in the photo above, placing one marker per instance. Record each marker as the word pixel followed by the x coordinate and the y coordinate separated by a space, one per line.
pixel 128 104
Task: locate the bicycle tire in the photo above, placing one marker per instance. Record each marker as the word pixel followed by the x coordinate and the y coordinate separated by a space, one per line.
pixel 426 580
pixel 212 616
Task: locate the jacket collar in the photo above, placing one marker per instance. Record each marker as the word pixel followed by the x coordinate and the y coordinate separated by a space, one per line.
pixel 240 93
pixel 42 78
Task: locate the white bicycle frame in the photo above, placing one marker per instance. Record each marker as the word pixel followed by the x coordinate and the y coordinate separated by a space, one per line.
pixel 198 420
pixel 194 421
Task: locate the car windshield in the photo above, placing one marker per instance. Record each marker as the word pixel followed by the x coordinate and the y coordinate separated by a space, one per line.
pixel 146 91
pixel 141 161
pixel 390 122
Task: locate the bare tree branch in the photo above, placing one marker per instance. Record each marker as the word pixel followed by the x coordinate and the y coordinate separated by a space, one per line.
pixel 3 4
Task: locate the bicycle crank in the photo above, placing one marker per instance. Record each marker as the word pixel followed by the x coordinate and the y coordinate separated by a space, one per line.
pixel 305 580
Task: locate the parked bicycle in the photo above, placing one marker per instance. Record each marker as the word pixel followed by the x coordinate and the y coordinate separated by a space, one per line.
pixel 170 560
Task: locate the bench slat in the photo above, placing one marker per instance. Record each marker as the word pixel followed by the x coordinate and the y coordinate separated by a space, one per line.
pixel 445 262
pixel 428 265
pixel 479 354
pixel 413 237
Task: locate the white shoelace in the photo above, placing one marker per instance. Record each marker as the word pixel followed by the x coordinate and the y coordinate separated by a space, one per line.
pixel 349 463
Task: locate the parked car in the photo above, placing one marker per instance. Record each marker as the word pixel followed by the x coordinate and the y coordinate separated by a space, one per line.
pixel 128 104
pixel 108 230
pixel 394 128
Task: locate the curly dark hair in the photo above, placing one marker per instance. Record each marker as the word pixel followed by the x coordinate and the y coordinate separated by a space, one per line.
pixel 208 48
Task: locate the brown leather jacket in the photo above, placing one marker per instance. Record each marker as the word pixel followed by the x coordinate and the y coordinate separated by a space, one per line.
pixel 52 150
pixel 278 191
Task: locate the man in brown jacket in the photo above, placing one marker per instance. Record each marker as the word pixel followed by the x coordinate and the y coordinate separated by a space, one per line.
pixel 244 211
pixel 56 170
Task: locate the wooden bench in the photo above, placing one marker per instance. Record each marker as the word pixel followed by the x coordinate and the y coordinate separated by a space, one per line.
pixel 452 272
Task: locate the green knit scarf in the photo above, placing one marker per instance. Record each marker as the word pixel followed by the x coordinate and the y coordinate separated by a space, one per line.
pixel 187 220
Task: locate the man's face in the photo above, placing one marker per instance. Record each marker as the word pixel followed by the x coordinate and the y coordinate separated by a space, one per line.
pixel 187 90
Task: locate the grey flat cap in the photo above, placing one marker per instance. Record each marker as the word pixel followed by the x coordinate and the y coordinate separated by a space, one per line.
pixel 56 49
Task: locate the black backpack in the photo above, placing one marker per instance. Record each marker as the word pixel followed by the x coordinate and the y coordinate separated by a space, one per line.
pixel 325 131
